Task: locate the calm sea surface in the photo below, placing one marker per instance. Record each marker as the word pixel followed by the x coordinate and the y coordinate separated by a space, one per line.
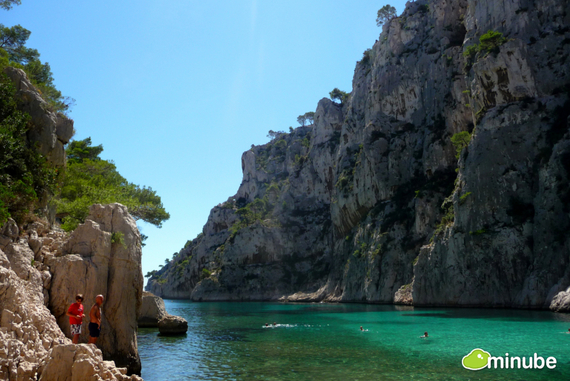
pixel 228 341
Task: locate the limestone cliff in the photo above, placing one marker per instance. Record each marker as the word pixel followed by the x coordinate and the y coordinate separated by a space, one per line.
pixel 49 131
pixel 32 345
pixel 103 256
pixel 371 204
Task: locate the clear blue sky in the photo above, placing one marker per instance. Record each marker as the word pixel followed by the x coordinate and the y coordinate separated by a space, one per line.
pixel 176 91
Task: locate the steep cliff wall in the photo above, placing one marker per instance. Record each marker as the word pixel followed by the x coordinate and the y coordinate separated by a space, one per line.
pixel 371 204
pixel 103 256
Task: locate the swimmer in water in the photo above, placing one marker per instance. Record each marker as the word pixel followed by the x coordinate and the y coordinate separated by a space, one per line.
pixel 267 324
pixel 362 329
pixel 425 335
pixel 274 324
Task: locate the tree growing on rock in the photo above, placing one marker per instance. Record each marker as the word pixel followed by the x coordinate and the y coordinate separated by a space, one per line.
pixel 307 117
pixel 79 150
pixel 460 140
pixel 273 134
pixel 385 14
pixel 339 95
pixel 91 180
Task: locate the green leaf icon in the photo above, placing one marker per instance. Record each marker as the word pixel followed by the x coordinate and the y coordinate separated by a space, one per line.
pixel 476 359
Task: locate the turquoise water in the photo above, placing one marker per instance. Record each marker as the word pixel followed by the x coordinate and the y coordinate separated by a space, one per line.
pixel 228 341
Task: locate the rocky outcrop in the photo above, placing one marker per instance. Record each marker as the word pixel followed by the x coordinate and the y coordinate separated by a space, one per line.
pixel 49 131
pixel 172 325
pixel 561 302
pixel 152 310
pixel 32 345
pixel 371 203
pixel 80 362
pixel 103 256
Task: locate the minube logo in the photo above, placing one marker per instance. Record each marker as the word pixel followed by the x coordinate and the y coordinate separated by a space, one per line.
pixel 479 359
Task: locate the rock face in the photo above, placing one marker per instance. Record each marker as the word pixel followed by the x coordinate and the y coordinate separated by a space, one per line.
pixel 49 131
pixel 371 204
pixel 32 345
pixel 80 362
pixel 172 325
pixel 152 310
pixel 561 302
pixel 103 256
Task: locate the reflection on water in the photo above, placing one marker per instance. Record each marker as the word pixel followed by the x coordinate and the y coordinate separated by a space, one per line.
pixel 228 341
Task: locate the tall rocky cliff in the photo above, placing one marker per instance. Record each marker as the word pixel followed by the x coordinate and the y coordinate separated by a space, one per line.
pixel 42 268
pixel 371 204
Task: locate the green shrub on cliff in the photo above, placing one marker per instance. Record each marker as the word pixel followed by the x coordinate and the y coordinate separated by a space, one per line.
pixel 488 43
pixel 366 57
pixel 205 274
pixel 25 176
pixel 460 140
pixel 91 180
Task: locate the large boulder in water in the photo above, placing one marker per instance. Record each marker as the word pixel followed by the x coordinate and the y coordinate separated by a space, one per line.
pixel 152 310
pixel 103 256
pixel 173 325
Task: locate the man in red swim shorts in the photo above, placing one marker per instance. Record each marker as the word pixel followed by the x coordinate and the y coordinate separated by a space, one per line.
pixel 76 315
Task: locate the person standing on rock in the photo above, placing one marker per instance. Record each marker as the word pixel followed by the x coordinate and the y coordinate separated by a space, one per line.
pixel 95 317
pixel 76 315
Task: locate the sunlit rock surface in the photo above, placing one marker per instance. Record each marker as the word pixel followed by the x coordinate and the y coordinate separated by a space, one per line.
pixel 350 207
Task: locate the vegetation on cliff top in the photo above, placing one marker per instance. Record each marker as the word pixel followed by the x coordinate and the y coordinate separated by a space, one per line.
pixel 90 180
pixel 385 14
pixel 13 52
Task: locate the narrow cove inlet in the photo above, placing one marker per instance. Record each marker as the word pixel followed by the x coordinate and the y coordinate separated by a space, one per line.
pixel 285 190
pixel 319 341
